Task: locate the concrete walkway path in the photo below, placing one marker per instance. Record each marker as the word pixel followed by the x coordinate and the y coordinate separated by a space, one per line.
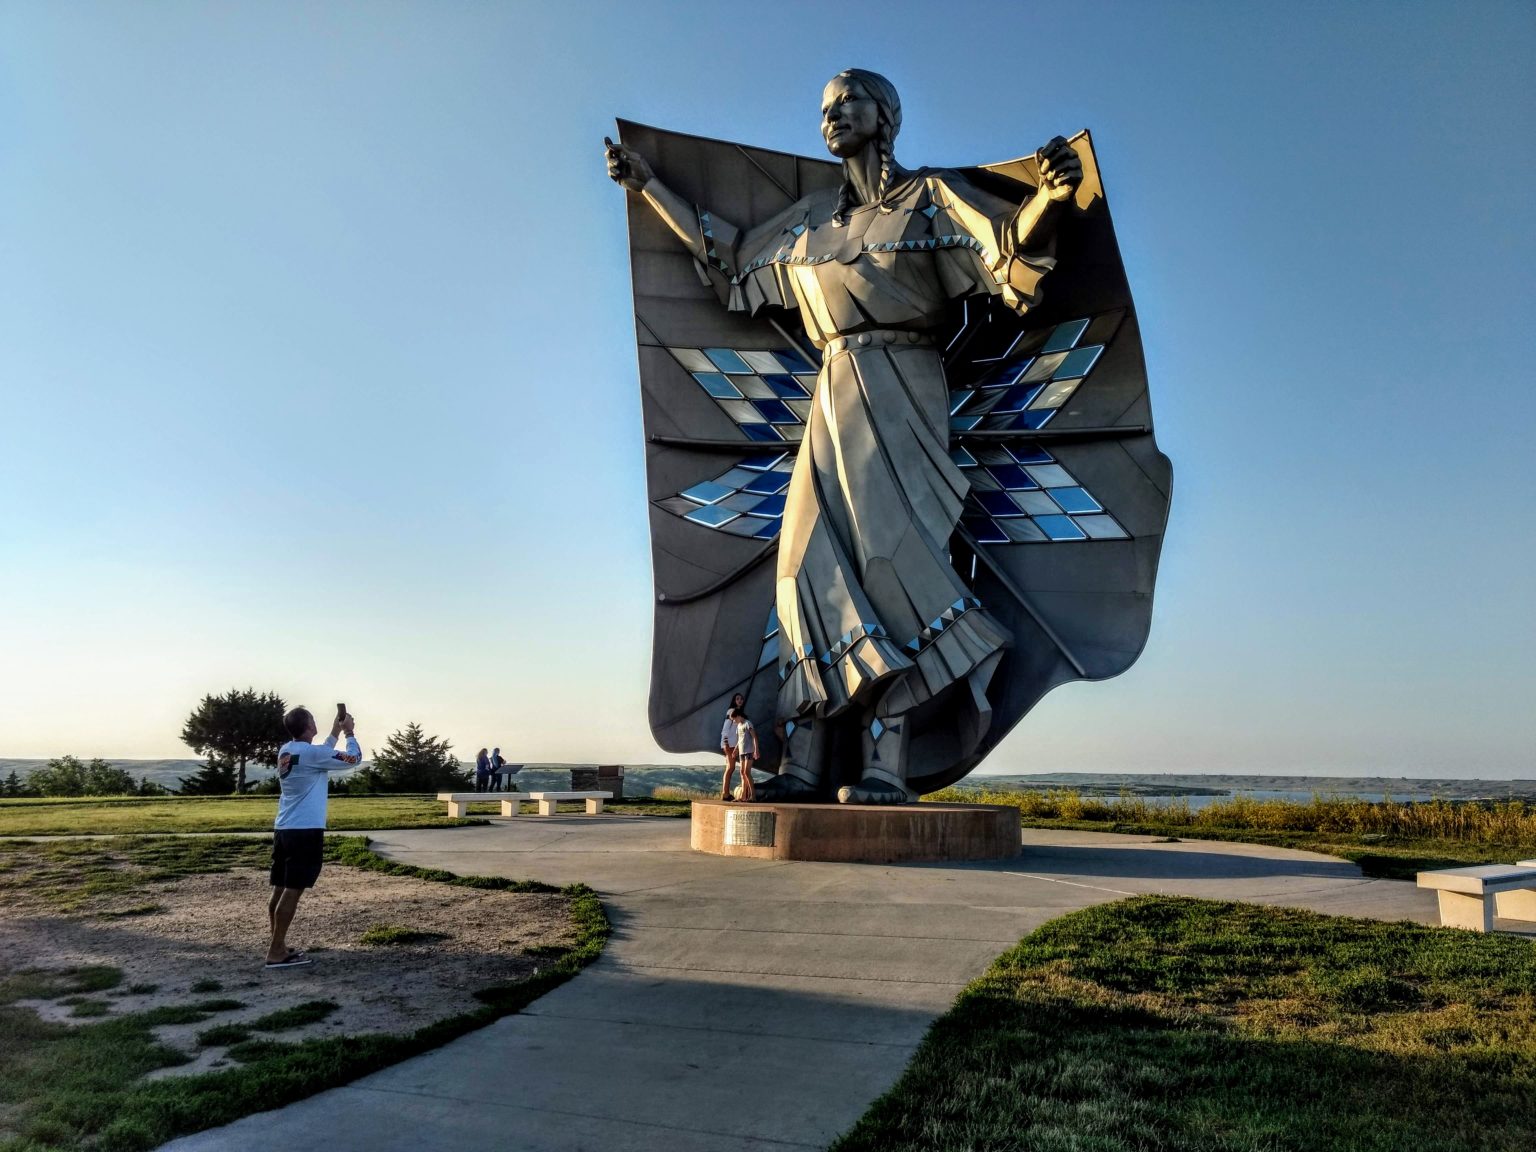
pixel 747 1004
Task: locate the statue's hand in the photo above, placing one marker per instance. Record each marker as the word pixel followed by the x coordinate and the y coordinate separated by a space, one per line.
pixel 1060 170
pixel 626 166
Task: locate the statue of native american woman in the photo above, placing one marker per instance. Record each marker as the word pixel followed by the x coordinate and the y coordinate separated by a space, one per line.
pixel 899 445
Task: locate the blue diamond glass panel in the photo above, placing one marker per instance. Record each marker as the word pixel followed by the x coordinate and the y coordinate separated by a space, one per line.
pixel 727 360
pixel 1017 399
pixel 1029 452
pixel 1004 375
pixel 770 506
pixel 712 515
pixel 1012 476
pixel 785 387
pixel 717 385
pixel 1064 336
pixel 1079 362
pixel 775 411
pixel 997 503
pixel 767 484
pixel 1075 500
pixel 708 492
pixel 1060 528
pixel 763 462
pixel 984 530
pixel 794 362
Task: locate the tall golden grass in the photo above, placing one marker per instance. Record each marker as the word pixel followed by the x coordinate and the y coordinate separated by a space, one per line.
pixel 1473 821
pixel 670 792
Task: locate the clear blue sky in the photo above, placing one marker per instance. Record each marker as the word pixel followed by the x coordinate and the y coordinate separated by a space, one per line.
pixel 318 375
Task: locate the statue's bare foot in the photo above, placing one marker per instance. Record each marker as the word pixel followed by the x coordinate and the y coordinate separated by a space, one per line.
pixel 874 791
pixel 782 788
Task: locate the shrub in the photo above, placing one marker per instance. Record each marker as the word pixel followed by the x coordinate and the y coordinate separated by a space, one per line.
pixel 67 776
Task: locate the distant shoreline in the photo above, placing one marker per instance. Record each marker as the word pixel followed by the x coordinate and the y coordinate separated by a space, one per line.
pixel 1175 785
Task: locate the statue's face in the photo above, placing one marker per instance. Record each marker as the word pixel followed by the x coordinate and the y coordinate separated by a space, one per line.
pixel 849 118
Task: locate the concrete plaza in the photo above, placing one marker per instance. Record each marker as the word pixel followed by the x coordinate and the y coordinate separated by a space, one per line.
pixel 747 1004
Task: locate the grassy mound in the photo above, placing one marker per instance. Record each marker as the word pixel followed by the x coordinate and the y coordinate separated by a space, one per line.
pixel 1169 1023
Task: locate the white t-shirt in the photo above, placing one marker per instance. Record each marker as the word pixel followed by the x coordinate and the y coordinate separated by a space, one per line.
pixel 746 738
pixel 303 779
pixel 728 734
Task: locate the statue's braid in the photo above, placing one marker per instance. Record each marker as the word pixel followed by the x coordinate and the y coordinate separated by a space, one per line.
pixel 886 159
pixel 844 204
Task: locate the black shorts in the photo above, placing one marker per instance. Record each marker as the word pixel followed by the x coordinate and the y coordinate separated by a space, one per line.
pixel 296 856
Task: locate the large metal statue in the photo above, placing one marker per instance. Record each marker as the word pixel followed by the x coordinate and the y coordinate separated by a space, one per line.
pixel 959 509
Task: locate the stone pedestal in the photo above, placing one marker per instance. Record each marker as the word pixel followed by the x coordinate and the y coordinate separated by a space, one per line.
pixel 855 833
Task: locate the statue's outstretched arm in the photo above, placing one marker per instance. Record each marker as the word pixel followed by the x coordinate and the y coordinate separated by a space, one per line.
pixel 1060 173
pixel 631 170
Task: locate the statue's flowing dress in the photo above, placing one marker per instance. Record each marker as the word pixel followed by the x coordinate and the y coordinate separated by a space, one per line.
pixel 868 602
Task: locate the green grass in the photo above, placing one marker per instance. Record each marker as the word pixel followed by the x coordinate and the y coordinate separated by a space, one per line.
pixel 78 1087
pixel 1389 840
pixel 73 874
pixel 223 1035
pixel 300 1015
pixel 1190 1025
pixel 207 986
pixel 55 984
pixel 391 935
pixel 66 816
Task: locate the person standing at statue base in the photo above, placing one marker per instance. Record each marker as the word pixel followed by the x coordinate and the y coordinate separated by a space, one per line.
pixel 746 753
pixel 728 743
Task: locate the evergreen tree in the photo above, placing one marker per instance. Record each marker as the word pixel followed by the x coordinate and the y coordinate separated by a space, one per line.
pixel 412 761
pixel 239 727
pixel 215 778
pixel 13 786
pixel 67 776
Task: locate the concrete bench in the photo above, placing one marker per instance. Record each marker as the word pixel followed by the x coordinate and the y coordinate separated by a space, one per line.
pixel 1472 897
pixel 511 802
pixel 548 800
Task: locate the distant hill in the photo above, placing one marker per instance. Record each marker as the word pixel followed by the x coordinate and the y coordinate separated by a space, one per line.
pixel 1226 784
pixel 643 779
pixel 639 779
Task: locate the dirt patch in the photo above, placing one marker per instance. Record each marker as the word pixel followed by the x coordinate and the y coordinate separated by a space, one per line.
pixel 206 929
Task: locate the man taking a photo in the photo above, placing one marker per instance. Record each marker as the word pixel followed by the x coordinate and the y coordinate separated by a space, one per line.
pixel 303 774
